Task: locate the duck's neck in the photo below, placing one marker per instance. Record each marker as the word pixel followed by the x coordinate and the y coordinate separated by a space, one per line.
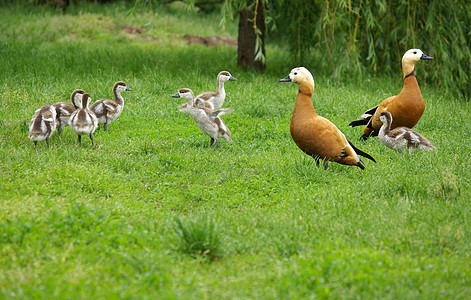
pixel 303 108
pixel 221 90
pixel 191 101
pixel 407 68
pixel 118 98
pixel 385 128
pixel 410 84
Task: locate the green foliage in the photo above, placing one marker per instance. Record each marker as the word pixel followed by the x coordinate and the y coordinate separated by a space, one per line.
pixel 198 238
pixel 343 37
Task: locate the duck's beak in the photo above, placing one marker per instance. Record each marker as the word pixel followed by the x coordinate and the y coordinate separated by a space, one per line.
pixel 425 56
pixel 378 119
pixel 128 88
pixel 233 78
pixel 286 79
pixel 177 95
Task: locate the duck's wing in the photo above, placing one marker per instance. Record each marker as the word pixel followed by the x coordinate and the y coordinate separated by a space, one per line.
pixel 207 96
pixel 64 109
pixel 413 137
pixel 203 104
pixel 48 117
pixel 366 117
pixel 397 133
pixel 110 106
pixel 221 111
pixel 104 107
pixel 331 140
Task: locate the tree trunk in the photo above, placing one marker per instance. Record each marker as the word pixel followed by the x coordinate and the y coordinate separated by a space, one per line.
pixel 247 37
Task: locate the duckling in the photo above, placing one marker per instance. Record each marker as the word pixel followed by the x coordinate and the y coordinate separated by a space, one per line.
pixel 215 100
pixel 107 110
pixel 64 109
pixel 83 121
pixel 208 121
pixel 401 138
pixel 406 108
pixel 43 124
pixel 316 136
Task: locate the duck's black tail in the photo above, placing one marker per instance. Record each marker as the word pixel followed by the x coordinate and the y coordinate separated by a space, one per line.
pixel 366 117
pixel 359 122
pixel 361 153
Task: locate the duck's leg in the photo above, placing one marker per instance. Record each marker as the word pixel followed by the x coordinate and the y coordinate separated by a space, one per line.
pixel 367 132
pixel 35 144
pixel 47 141
pixel 217 144
pixel 80 140
pixel 91 137
pixel 326 165
pixel 212 142
pixel 59 129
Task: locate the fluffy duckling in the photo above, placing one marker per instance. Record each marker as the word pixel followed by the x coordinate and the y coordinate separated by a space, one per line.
pixel 107 110
pixel 64 109
pixel 208 121
pixel 401 138
pixel 215 100
pixel 406 108
pixel 316 136
pixel 83 121
pixel 43 124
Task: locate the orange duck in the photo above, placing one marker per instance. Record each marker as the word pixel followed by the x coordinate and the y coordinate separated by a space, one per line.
pixel 316 136
pixel 405 108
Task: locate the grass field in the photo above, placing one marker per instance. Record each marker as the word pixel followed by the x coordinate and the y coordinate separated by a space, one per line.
pixel 153 212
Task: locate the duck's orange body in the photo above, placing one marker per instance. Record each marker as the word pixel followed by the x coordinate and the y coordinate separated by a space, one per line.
pixel 406 108
pixel 316 136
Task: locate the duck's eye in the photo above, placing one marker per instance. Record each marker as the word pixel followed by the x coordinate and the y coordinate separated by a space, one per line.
pixel 295 73
pixel 415 52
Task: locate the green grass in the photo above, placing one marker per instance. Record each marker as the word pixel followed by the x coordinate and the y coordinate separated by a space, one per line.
pixel 135 216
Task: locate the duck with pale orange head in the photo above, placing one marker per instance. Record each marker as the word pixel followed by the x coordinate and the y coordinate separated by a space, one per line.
pixel 316 136
pixel 406 108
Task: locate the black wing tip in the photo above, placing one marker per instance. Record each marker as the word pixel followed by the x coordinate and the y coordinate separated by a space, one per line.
pixel 361 153
pixel 359 122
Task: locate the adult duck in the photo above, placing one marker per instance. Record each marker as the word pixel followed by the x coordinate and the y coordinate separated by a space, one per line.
pixel 406 108
pixel 316 136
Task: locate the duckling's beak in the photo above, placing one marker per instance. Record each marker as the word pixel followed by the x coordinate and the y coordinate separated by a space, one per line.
pixel 233 78
pixel 378 119
pixel 286 79
pixel 177 95
pixel 425 56
pixel 128 88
